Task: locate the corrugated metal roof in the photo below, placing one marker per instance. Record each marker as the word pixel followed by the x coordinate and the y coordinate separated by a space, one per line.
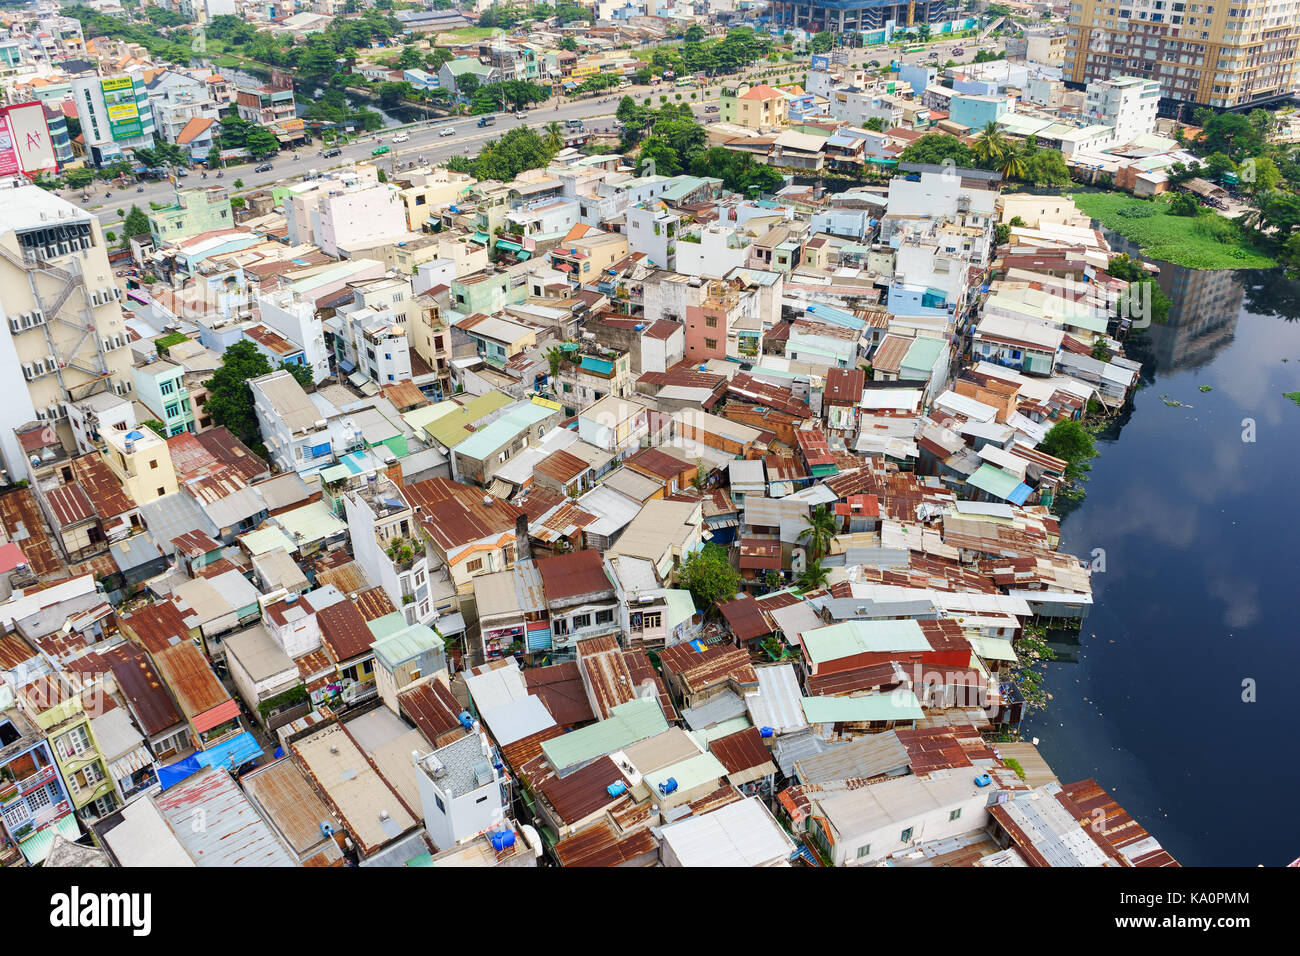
pixel 217 825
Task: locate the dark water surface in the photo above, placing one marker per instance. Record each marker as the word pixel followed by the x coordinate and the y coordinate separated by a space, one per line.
pixel 1200 590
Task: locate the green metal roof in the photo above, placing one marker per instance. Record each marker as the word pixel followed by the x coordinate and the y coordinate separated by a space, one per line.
pixel 489 438
pixel 923 354
pixel 386 626
pixel 994 648
pixel 899 705
pixel 405 644
pixel 995 481
pixel 627 723
pixel 451 429
pixel 862 637
pixel 689 773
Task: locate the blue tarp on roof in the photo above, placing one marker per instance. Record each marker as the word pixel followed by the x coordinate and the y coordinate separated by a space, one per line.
pixel 229 754
pixel 346 367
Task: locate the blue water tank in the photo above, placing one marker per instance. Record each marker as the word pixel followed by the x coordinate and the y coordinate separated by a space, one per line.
pixel 616 789
pixel 502 839
pixel 983 780
pixel 668 786
pixel 766 732
pixel 466 720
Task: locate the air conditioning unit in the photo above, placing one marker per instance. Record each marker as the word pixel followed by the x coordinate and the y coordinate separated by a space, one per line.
pixel 55 412
pixel 40 414
pixel 15 323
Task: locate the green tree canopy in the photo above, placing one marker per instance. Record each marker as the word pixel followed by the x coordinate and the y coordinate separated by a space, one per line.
pixel 230 400
pixel 709 576
pixel 937 147
pixel 1070 441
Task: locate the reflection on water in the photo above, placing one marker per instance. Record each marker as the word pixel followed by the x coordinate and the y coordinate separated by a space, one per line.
pixel 1200 563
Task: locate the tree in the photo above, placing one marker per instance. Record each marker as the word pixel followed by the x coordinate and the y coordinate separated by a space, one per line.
pixel 554 358
pixel 709 576
pixel 820 531
pixel 157 427
pixel 238 184
pixel 1125 268
pixel 1260 175
pixel 665 158
pixel 79 178
pixel 1070 441
pixel 214 157
pixel 135 224
pixel 261 142
pixel 694 33
pixel 569 44
pixel 812 577
pixel 302 373
pixel 554 137
pixel 1013 164
pixel 991 146
pixel 935 148
pixel 392 93
pixel 1047 168
pixel 874 123
pixel 230 399
pixel 821 42
pixel 1216 164
pixel 1231 134
pixel 466 84
pixel 410 58
pixel 1183 204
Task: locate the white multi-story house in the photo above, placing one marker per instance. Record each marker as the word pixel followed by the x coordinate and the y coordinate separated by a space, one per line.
pixel 461 791
pixel 388 544
pixel 294 430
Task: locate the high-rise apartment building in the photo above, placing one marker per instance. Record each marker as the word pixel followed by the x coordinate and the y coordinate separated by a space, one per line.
pixel 1224 53
pixel 62 339
pixel 115 116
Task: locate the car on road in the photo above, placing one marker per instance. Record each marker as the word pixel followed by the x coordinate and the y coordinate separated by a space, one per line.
pixel 264 168
pixel 335 151
pixel 181 172
pixel 446 131
pixel 957 51
pixel 710 109
pixel 520 114
pixel 401 138
pixel 379 151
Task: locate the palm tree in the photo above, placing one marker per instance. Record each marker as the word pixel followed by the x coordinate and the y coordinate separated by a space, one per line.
pixel 991 145
pixel 820 531
pixel 812 577
pixel 554 137
pixel 1013 164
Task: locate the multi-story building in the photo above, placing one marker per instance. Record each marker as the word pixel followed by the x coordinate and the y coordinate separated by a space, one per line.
pixel 64 716
pixel 652 229
pixel 175 99
pixel 56 284
pixel 160 387
pixel 142 462
pixel 194 211
pixel 115 116
pixel 34 804
pixel 1127 104
pixel 842 16
pixel 753 107
pixel 1216 54
pixel 294 430
pixel 266 105
pixel 389 546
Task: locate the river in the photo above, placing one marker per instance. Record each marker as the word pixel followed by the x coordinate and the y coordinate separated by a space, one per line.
pixel 1176 695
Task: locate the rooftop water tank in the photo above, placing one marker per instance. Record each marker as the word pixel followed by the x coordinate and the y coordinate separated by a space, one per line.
pixel 616 789
pixel 983 780
pixel 466 720
pixel 668 786
pixel 766 731
pixel 503 840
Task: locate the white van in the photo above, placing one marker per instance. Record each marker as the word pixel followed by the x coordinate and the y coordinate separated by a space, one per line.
pixel 401 138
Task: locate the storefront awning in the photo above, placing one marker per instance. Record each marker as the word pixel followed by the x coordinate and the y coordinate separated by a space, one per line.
pixel 37 846
pixel 346 367
pixel 482 238
pixel 508 245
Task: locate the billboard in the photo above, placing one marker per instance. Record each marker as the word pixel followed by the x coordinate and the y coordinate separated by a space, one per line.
pixel 123 113
pixel 8 151
pixel 30 137
pixel 821 62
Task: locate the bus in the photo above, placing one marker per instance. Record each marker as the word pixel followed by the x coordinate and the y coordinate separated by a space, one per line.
pixel 684 82
pixel 914 49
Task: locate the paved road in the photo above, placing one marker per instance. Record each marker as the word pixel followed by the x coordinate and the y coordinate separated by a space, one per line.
pixel 425 139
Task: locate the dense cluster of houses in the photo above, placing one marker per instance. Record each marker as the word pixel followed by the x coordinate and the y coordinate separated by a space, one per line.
pixel 448 619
